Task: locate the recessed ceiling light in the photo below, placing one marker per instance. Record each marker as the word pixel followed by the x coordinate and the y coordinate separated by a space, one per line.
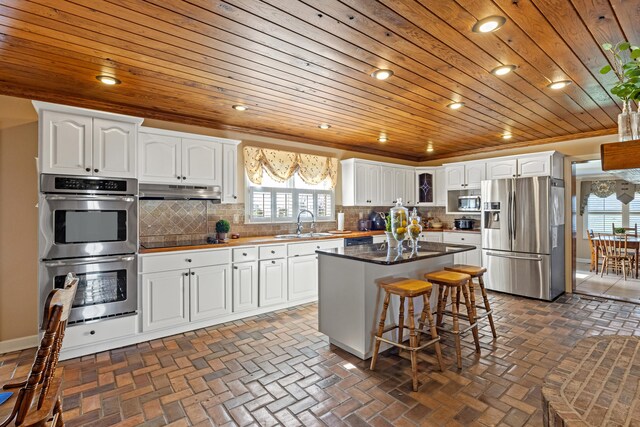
pixel 456 105
pixel 429 149
pixel 382 138
pixel 324 125
pixel 108 80
pixel 506 135
pixel 382 74
pixel 503 70
pixel 240 107
pixel 489 24
pixel 559 84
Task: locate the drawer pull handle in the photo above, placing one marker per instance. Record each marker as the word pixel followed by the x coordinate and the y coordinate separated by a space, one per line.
pixel 188 259
pixel 273 252
pixel 244 254
pixel 235 268
pixel 317 247
pixel 92 332
pixel 273 262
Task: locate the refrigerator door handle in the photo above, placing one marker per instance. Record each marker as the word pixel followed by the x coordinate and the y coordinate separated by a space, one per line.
pixel 509 216
pixel 515 217
pixel 538 258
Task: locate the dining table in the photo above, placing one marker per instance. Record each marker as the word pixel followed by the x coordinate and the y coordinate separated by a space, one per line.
pixel 633 244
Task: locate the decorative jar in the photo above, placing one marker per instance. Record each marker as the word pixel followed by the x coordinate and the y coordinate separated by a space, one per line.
pixel 399 218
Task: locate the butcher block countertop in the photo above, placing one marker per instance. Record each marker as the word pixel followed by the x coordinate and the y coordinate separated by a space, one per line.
pixel 256 240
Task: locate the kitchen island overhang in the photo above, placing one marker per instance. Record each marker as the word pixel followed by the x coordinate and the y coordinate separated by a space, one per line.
pixel 349 295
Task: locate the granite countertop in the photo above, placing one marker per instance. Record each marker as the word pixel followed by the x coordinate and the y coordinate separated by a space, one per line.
pixel 381 254
pixel 256 240
pixel 450 230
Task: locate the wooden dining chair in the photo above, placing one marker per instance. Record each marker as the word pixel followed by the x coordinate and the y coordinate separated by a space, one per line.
pixel 36 402
pixel 615 254
pixel 593 266
pixel 632 231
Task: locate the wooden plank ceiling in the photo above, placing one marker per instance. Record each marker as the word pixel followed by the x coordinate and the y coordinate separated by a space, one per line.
pixel 296 64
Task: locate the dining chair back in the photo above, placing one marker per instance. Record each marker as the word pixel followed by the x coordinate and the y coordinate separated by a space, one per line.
pixel 632 231
pixel 615 253
pixel 592 249
pixel 42 381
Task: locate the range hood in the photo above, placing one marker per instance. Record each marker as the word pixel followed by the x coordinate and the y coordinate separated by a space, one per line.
pixel 180 192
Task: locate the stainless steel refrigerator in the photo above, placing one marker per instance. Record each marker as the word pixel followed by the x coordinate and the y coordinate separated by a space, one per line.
pixel 523 236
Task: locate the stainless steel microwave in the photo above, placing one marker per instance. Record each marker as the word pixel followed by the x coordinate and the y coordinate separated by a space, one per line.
pixel 469 204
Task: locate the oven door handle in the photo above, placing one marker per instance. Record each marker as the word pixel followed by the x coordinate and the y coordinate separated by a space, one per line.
pixel 85 261
pixel 91 198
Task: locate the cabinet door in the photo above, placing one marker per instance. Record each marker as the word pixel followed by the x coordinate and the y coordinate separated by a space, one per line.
pixel 245 286
pixel 534 166
pixel 501 169
pixel 303 277
pixel 373 185
pixel 201 162
pixel 210 290
pixel 474 257
pixel 160 159
pixel 426 187
pixel 410 187
pixel 399 191
pixel 361 185
pixel 441 187
pixel 66 143
pixel 474 174
pixel 114 148
pixel 229 174
pixel 273 282
pixel 387 187
pixel 460 258
pixel 165 299
pixel 455 177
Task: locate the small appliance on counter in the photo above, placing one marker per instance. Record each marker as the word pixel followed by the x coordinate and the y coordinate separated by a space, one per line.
pixel 464 223
pixel 469 204
pixel 364 224
pixel 377 220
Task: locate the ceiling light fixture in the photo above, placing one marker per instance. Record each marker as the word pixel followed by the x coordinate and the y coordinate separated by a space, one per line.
pixel 108 80
pixel 429 149
pixel 324 125
pixel 489 24
pixel 503 70
pixel 506 135
pixel 383 138
pixel 239 107
pixel 560 84
pixel 456 105
pixel 382 74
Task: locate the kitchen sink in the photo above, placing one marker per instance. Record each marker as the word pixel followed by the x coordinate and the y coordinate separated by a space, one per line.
pixel 302 235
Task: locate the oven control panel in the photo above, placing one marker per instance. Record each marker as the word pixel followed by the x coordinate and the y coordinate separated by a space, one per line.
pixel 90 184
pixel 87 185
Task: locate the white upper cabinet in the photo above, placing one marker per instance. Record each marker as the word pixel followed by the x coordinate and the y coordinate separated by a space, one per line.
pixel 497 169
pixel 66 143
pixel 360 183
pixel 410 195
pixel 76 141
pixel 388 190
pixel 465 176
pixel 534 166
pixel 114 148
pixel 425 181
pixel 160 158
pixel 441 187
pixel 455 177
pixel 201 162
pixel 400 189
pixel 229 173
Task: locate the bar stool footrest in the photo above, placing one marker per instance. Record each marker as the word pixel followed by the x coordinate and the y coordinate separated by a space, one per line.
pixel 460 332
pixel 409 348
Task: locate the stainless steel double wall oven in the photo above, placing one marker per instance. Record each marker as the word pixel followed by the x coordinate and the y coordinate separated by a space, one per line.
pixel 89 226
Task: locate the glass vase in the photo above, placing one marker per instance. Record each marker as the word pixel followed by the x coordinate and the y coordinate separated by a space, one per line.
pixel 625 129
pixel 635 125
pixel 399 219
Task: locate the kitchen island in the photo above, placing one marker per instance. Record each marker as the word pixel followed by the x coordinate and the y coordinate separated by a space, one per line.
pixel 350 298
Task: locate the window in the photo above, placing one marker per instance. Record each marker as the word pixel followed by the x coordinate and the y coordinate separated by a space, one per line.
pixel 602 212
pixel 281 201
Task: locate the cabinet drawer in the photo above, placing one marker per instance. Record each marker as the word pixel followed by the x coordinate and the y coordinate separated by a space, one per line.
pixel 431 237
pixel 187 259
pixel 110 329
pixel 462 238
pixel 309 248
pixel 245 254
pixel 273 251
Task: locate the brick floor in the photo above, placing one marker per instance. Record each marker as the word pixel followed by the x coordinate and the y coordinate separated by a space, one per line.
pixel 277 369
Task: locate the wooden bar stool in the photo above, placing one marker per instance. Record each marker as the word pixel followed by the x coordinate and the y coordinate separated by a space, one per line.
pixel 408 288
pixel 476 272
pixel 452 283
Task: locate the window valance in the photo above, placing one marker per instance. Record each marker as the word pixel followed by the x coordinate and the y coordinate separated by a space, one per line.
pixel 282 165
pixel 624 191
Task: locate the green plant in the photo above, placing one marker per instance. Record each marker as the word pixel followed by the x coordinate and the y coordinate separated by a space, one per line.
pixel 223 226
pixel 626 67
pixel 387 223
pixel 619 230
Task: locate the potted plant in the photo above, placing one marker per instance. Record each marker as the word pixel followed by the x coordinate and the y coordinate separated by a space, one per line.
pixel 619 230
pixel 626 67
pixel 222 228
pixel 391 242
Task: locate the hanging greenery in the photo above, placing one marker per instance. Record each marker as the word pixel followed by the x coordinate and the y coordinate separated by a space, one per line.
pixel 626 67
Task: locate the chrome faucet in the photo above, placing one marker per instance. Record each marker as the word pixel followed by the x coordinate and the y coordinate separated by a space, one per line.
pixel 313 218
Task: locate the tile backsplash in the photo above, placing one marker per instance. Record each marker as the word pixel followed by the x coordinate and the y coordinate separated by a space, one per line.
pixel 180 221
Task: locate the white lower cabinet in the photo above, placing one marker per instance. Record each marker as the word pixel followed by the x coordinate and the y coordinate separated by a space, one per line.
pixel 303 277
pixel 433 236
pixel 473 257
pixel 273 282
pixel 210 292
pixel 165 299
pixel 245 286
